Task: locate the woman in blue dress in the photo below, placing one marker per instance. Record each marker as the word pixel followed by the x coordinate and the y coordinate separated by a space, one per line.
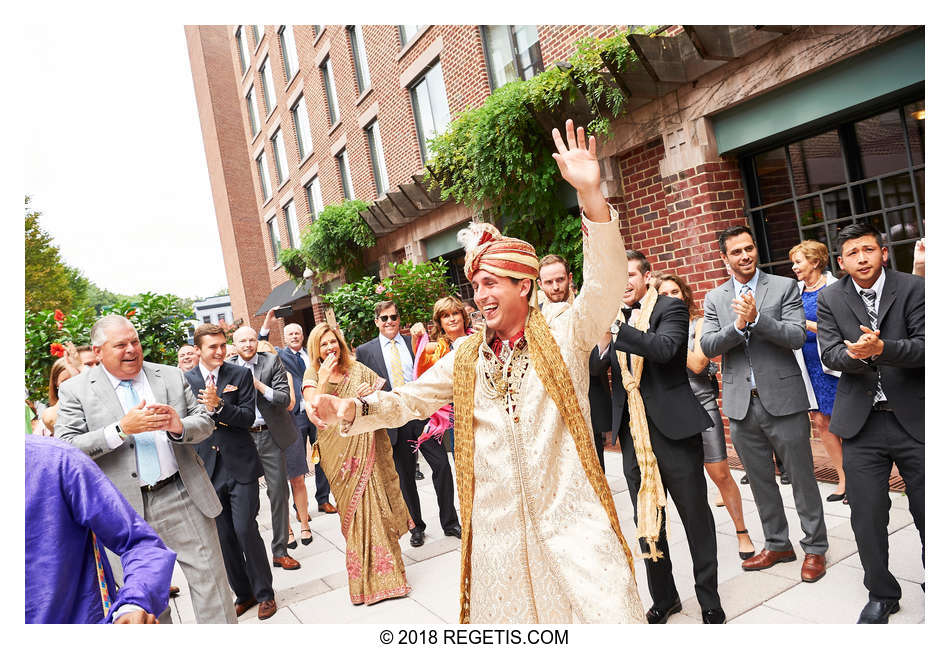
pixel 809 259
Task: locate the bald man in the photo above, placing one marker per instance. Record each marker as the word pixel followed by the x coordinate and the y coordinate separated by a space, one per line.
pixel 187 357
pixel 273 431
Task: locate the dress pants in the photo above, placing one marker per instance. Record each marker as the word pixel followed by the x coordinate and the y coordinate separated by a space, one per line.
pixel 434 453
pixel 245 557
pixel 278 491
pixel 681 468
pixel 755 438
pixel 868 457
pixel 192 535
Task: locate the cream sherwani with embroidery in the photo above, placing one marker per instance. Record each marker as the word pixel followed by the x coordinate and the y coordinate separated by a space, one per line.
pixel 543 550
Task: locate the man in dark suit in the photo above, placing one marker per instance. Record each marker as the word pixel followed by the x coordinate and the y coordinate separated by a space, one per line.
pixel 390 356
pixel 273 431
pixel 231 460
pixel 296 361
pixel 755 320
pixel 879 406
pixel 676 421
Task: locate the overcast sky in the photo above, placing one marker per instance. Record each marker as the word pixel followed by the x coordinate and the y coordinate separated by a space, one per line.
pixel 115 160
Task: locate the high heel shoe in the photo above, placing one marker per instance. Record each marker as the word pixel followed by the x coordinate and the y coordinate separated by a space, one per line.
pixel 308 539
pixel 291 541
pixel 745 555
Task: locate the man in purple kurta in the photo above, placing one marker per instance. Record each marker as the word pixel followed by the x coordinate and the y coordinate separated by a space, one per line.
pixel 68 498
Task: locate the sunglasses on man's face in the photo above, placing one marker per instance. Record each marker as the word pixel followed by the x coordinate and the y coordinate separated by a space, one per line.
pixel 387 318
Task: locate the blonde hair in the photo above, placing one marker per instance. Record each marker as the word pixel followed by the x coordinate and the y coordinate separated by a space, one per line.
pixel 446 306
pixel 313 346
pixel 265 346
pixel 814 251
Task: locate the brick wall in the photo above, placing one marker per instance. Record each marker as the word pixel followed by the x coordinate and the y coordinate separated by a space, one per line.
pixel 557 41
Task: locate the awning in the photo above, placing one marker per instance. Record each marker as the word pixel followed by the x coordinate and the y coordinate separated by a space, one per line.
pixel 284 294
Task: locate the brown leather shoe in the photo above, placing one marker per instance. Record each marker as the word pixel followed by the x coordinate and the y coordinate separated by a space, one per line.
pixel 767 559
pixel 240 608
pixel 287 563
pixel 813 567
pixel 327 508
pixel 266 609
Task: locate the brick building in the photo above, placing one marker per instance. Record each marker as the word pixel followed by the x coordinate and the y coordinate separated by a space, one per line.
pixel 795 130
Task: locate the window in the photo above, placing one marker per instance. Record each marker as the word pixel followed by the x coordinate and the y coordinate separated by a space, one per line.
pixel 268 80
pixel 512 52
pixel 274 239
pixel 430 106
pixel 406 32
pixel 280 156
pixel 314 198
pixel 870 170
pixel 290 222
pixel 343 162
pixel 251 99
pixel 220 317
pixel 288 50
pixel 206 318
pixel 243 53
pixel 258 34
pixel 302 127
pixel 375 142
pixel 326 71
pixel 360 64
pixel 264 176
pixel 316 31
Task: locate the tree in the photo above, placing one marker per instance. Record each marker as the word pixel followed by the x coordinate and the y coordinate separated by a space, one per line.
pixel 47 279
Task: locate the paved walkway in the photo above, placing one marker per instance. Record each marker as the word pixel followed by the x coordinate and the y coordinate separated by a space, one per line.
pixel 318 593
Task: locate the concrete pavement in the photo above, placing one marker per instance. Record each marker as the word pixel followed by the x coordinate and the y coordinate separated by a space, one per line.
pixel 318 593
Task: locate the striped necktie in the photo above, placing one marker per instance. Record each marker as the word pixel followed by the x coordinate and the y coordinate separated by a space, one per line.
pixel 744 290
pixel 146 452
pixel 395 365
pixel 870 297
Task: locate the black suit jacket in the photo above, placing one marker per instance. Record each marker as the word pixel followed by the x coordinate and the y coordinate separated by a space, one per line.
pixel 289 360
pixel 370 354
pixel 664 386
pixel 239 457
pixel 598 393
pixel 841 311
pixel 280 423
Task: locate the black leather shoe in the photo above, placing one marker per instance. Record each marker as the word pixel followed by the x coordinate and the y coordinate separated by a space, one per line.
pixel 714 616
pixel 659 616
pixel 878 612
pixel 417 537
pixel 455 531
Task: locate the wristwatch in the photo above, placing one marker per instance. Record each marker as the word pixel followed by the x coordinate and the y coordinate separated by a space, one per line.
pixel 615 327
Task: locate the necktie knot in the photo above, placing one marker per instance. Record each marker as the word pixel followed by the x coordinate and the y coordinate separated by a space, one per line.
pixel 745 288
pixel 869 295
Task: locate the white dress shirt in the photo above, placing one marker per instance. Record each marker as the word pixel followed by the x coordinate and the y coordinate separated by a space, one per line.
pixel 167 463
pixel 268 391
pixel 386 345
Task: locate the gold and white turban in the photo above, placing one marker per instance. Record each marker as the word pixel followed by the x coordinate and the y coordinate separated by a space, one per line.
pixel 486 249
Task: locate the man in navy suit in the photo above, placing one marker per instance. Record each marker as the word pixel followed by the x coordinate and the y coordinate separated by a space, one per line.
pixel 390 356
pixel 230 458
pixel 296 361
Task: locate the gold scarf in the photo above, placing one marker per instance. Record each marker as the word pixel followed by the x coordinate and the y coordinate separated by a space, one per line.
pixel 651 498
pixel 547 361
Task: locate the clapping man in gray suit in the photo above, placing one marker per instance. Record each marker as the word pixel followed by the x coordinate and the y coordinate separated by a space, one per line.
pixel 754 321
pixel 139 422
pixel 273 431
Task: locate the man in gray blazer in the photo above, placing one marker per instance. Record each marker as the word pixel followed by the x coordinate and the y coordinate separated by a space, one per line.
pixel 273 431
pixel 754 321
pixel 139 422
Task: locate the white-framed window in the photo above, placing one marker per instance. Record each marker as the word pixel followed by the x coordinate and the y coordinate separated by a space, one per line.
pixel 274 238
pixel 243 53
pixel 375 142
pixel 302 127
pixel 343 163
pixel 288 50
pixel 513 53
pixel 430 106
pixel 406 32
pixel 290 222
pixel 360 64
pixel 280 156
pixel 329 88
pixel 264 174
pixel 251 99
pixel 314 198
pixel 268 79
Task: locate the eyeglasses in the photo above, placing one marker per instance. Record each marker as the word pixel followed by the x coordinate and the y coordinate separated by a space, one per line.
pixel 387 318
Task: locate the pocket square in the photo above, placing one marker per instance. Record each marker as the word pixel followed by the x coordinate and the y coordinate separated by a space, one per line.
pixel 230 388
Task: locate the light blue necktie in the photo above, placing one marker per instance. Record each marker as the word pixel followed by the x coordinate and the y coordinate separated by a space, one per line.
pixel 146 453
pixel 745 288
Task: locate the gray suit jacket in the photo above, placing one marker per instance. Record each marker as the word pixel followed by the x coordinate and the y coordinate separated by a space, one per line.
pixel 780 329
pixel 271 371
pixel 89 405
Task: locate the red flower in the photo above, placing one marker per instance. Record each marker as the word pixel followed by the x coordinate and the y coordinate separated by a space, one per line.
pixel 57 350
pixel 58 316
pixel 130 313
pixel 59 325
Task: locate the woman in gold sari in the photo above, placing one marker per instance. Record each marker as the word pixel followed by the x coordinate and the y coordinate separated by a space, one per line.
pixel 362 475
